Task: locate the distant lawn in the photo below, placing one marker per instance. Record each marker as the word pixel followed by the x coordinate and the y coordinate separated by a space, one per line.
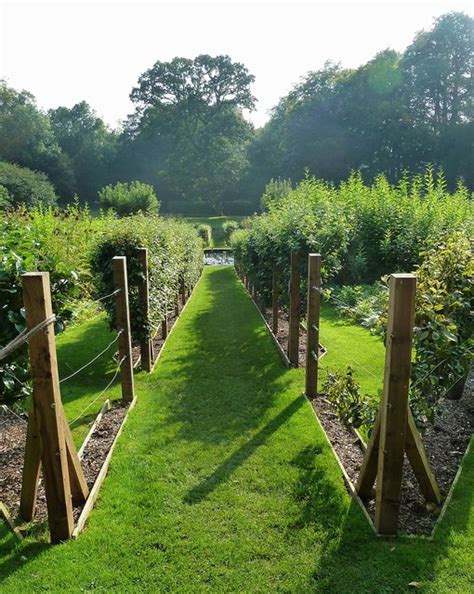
pixel 216 224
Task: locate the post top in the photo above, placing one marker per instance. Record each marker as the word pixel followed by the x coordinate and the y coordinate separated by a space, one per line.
pixel 35 274
pixel 403 275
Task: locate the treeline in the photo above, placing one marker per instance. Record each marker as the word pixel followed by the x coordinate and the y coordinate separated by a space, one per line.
pixel 189 139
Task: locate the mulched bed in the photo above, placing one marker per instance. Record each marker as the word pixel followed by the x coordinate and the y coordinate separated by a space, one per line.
pixel 12 451
pixel 445 442
pixel 283 332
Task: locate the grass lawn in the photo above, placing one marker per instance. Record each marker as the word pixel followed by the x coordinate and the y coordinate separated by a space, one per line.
pixel 222 481
pixel 350 344
pixel 216 224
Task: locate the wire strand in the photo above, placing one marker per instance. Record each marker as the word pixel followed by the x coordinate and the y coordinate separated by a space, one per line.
pixel 92 360
pixel 117 371
pixel 20 340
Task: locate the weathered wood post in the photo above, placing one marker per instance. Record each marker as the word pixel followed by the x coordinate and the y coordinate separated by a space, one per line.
pixel 394 410
pixel 119 267
pixel 164 323
pixel 312 333
pixel 176 305
pixel 183 292
pixel 295 303
pixel 48 436
pixel 275 299
pixel 146 345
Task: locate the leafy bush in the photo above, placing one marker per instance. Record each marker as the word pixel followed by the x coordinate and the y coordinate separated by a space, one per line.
pixel 205 233
pixel 127 199
pixel 175 256
pixel 228 227
pixel 344 394
pixel 4 197
pixel 364 304
pixel 363 232
pixel 274 191
pixel 24 186
pixel 443 340
pixel 43 240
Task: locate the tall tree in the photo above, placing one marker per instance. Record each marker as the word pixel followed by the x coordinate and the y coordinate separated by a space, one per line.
pixel 192 111
pixel 88 142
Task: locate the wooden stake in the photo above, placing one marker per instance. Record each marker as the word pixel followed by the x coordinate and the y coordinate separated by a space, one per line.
pixel 47 406
pixel 416 454
pixel 119 266
pixel 368 471
pixel 312 318
pixel 295 302
pixel 164 326
pixel 275 299
pixel 394 414
pixel 79 488
pixel 146 345
pixel 183 293
pixel 176 306
pixel 31 469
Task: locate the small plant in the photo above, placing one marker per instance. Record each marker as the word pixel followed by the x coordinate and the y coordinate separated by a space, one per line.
pixel 205 233
pixel 126 199
pixel 344 394
pixel 228 227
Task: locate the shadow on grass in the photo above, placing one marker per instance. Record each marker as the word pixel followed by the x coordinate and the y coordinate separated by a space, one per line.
pixel 353 558
pixel 228 466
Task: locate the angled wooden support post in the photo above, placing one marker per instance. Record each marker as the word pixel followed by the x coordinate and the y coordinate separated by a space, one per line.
pixel 295 303
pixel 275 299
pixel 312 320
pixel 146 344
pixel 119 267
pixel 48 437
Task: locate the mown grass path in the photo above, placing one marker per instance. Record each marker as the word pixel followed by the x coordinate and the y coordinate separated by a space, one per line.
pixel 222 481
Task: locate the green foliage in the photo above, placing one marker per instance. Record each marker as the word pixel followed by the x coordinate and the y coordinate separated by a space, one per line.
pixel 23 186
pixel 344 394
pixel 175 257
pixel 274 191
pixel 126 199
pixel 228 228
pixel 43 240
pixel 443 339
pixel 364 304
pixel 205 233
pixel 362 231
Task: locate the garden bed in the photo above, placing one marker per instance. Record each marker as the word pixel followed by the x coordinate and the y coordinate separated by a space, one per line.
pixel 445 441
pixel 12 452
pixel 283 332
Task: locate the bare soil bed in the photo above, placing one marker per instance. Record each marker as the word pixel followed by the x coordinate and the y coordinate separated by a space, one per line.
pixel 12 451
pixel 445 442
pixel 283 332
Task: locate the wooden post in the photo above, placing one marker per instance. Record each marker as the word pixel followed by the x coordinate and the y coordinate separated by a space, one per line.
pixel 119 266
pixel 47 407
pixel 164 325
pixel 275 299
pixel 146 345
pixel 176 305
pixel 31 469
pixel 294 325
pixel 394 415
pixel 312 319
pixel 183 293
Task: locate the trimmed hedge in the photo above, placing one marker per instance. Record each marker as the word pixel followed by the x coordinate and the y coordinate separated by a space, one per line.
pixel 175 256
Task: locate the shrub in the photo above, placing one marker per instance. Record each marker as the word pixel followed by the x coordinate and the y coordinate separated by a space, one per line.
pixel 205 233
pixel 275 191
pixel 24 186
pixel 45 240
pixel 443 340
pixel 4 197
pixel 174 257
pixel 228 227
pixel 344 394
pixel 127 199
pixel 364 304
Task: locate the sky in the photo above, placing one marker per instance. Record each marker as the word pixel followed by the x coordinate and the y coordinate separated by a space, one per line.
pixel 95 50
